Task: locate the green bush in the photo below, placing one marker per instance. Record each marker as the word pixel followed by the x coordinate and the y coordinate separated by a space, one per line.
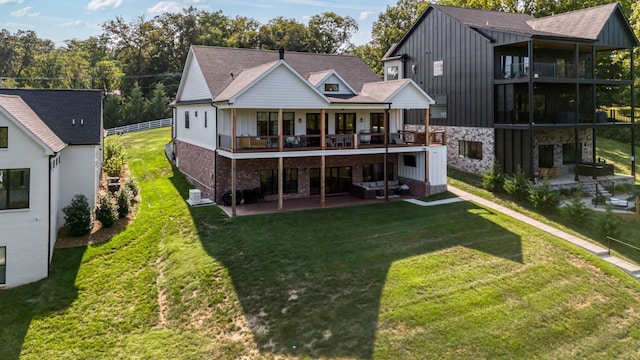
pixel 133 187
pixel 113 166
pixel 123 199
pixel 113 149
pixel 544 198
pixel 517 185
pixel 607 224
pixel 106 210
pixel 576 211
pixel 493 180
pixel 77 216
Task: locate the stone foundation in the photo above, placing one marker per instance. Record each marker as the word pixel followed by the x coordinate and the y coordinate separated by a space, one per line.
pixel 559 137
pixel 484 135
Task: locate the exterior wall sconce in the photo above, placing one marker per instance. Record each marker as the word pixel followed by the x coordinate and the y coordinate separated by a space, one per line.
pixel 300 120
pixel 306 170
pixel 361 120
pixel 255 172
pixel 196 113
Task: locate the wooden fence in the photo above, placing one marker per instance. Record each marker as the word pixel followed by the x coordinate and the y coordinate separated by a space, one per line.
pixel 140 126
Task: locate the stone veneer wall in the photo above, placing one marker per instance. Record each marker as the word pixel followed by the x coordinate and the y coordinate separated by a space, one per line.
pixel 559 137
pixel 198 164
pixel 484 135
pixel 248 171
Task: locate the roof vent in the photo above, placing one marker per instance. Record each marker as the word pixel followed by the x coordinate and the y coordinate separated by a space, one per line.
pixel 232 76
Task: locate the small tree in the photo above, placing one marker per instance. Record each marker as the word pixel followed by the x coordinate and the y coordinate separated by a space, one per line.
pixel 132 187
pixel 517 185
pixel 493 180
pixel 576 211
pixel 607 224
pixel 106 210
pixel 544 198
pixel 114 158
pixel 123 198
pixel 77 216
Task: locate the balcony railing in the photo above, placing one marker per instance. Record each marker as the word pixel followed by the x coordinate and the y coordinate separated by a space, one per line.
pixel 544 71
pixel 332 141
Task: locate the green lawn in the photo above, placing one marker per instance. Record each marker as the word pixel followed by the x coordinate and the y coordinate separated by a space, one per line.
pixel 384 281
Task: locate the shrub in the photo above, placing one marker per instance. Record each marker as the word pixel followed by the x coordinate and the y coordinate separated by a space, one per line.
pixel 107 210
pixel 133 187
pixel 607 224
pixel 123 199
pixel 113 149
pixel 493 180
pixel 113 166
pixel 576 211
pixel 77 216
pixel 544 198
pixel 517 185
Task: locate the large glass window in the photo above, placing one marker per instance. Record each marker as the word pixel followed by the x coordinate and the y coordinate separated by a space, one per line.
pixel 439 109
pixel 268 123
pixel 4 137
pixel 14 189
pixel 186 119
pixel 545 156
pixel 345 123
pixel 375 172
pixel 269 181
pixel 377 122
pixel 3 264
pixel 336 180
pixel 470 149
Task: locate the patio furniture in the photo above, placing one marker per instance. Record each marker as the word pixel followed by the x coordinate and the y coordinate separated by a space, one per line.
pixel 364 137
pixel 253 143
pixel 370 189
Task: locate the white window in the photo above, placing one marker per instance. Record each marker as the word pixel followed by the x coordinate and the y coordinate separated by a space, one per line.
pixel 4 137
pixel 331 87
pixel 392 73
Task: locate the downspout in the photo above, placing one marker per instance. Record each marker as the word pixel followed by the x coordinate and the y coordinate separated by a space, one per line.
pixel 49 222
pixel 215 158
pixel 386 152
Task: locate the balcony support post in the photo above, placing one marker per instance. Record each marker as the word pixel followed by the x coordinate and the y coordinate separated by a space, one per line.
pixel 280 181
pixel 233 186
pixel 234 146
pixel 531 170
pixel 633 117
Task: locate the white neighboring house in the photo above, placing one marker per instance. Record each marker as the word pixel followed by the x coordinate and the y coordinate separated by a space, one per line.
pixel 51 146
pixel 276 126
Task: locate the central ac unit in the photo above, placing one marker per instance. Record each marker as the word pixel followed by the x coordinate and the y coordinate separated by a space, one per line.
pixel 195 196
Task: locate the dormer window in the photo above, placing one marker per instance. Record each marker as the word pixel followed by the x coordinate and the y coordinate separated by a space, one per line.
pixel 392 73
pixel 4 137
pixel 331 87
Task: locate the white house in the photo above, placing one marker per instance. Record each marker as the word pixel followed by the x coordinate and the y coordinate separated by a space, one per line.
pixel 265 124
pixel 50 149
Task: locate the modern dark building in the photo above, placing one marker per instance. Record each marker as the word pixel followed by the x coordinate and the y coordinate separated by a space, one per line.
pixel 521 91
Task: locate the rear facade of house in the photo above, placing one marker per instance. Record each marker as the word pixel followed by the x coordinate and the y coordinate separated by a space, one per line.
pixel 526 93
pixel 268 125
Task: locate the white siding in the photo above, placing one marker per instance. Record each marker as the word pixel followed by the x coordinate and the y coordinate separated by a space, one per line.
pixel 78 176
pixel 56 216
pixel 343 89
pixel 197 133
pixel 25 231
pixel 409 98
pixel 437 166
pixel 280 89
pixel 195 86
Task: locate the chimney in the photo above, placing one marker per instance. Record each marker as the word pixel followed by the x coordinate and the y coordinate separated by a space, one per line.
pixel 281 50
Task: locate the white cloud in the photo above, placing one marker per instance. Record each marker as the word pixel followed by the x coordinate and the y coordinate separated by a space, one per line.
pixel 72 23
pixel 166 6
pixel 365 15
pixel 24 12
pixel 6 2
pixel 103 4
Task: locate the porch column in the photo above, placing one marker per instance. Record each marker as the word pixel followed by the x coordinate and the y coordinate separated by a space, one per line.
pixel 280 130
pixel 577 151
pixel 323 130
pixel 233 186
pixel 531 137
pixel 593 99
pixel 576 59
pixel 386 153
pixel 633 118
pixel 233 131
pixel 323 164
pixel 427 176
pixel 280 181
pixel 426 127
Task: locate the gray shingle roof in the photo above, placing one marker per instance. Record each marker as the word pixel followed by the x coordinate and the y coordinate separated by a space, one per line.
pixel 15 106
pixel 218 63
pixel 58 108
pixel 586 23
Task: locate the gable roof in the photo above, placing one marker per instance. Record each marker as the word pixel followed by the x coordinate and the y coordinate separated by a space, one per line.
pixel 384 91
pixel 586 24
pixel 219 63
pixel 59 108
pixel 25 116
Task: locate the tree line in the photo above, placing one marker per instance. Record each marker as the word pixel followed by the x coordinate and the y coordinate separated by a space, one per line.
pixel 138 64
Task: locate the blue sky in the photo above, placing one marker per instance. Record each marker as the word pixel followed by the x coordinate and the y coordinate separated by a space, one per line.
pixel 78 19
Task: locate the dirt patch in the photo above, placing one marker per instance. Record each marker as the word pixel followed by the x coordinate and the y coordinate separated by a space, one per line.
pixel 98 233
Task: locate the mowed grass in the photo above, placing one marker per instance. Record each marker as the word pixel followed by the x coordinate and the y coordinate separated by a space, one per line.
pixel 384 281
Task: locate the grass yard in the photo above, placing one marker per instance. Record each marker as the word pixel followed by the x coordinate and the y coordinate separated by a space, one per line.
pixel 382 281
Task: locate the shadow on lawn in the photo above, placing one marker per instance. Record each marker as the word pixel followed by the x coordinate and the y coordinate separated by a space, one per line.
pixel 310 282
pixel 19 306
